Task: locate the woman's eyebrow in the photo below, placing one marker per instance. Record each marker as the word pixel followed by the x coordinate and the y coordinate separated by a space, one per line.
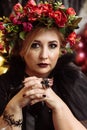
pixel 53 41
pixel 36 41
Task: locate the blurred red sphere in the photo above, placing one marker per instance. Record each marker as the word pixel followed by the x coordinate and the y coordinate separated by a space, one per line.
pixel 81 49
pixel 79 46
pixel 80 58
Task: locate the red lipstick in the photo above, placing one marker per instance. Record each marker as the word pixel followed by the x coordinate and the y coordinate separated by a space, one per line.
pixel 43 65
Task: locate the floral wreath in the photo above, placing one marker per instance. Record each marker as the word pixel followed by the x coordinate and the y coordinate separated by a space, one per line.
pixel 24 19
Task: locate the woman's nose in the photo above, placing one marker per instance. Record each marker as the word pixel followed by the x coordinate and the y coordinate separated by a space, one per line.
pixel 44 53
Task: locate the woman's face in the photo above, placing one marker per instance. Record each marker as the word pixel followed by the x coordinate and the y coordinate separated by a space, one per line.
pixel 43 53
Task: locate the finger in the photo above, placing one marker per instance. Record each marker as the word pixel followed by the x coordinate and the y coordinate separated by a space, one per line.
pixel 34 83
pixel 35 92
pixel 30 78
pixel 32 102
pixel 36 96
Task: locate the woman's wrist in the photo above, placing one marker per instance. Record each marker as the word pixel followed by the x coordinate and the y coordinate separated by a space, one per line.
pixel 58 104
pixel 10 119
pixel 6 128
pixel 12 115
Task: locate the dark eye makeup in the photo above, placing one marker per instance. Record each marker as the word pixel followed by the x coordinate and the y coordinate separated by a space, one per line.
pixel 53 45
pixel 35 45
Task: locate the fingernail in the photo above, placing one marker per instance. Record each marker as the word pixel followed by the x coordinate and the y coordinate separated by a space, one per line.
pixel 44 95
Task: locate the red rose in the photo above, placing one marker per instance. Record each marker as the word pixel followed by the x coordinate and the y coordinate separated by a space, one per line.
pixel 72 38
pixel 47 9
pixel 70 11
pixel 60 18
pixel 18 7
pixel 1 47
pixel 1 26
pixel 32 2
pixel 11 17
pixel 37 10
pixel 16 21
pixel 27 26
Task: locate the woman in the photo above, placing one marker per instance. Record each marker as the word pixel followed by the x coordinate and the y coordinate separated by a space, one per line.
pixel 41 83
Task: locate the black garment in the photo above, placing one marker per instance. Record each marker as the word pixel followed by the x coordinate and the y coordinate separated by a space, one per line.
pixel 69 83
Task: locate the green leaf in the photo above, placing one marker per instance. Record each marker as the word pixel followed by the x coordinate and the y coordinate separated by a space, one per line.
pixel 22 35
pixel 62 30
pixel 75 22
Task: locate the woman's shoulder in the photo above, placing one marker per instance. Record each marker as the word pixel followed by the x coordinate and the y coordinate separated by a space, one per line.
pixel 68 77
pixel 66 69
pixel 10 84
pixel 15 74
pixel 71 84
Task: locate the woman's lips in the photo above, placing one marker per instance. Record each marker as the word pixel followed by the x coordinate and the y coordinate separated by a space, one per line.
pixel 43 65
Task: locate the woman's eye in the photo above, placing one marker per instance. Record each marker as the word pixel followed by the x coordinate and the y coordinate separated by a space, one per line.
pixel 53 45
pixel 35 45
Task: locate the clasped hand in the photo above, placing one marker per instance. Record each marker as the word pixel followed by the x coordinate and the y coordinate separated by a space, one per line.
pixel 35 90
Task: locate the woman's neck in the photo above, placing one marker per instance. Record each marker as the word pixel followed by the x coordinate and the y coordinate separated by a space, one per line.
pixel 37 74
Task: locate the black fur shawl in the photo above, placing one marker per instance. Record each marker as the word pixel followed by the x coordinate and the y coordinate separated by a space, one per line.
pixel 69 83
